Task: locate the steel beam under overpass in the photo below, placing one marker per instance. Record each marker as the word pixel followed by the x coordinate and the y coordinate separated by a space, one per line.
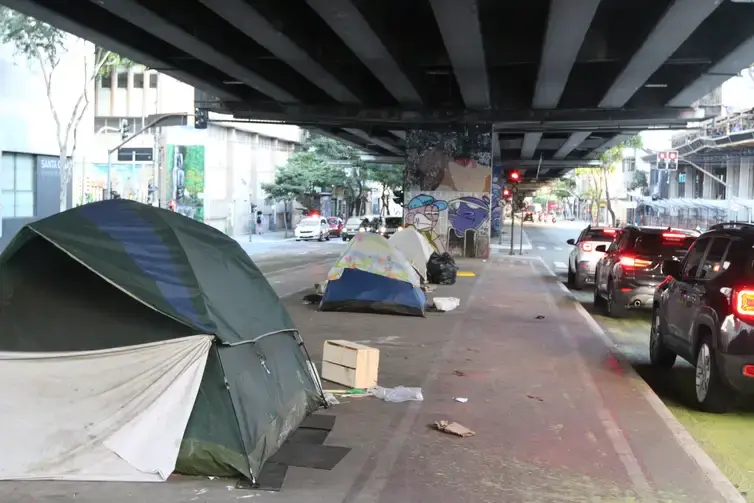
pixel 613 142
pixel 674 28
pixel 462 33
pixel 251 23
pixel 348 23
pixel 571 144
pixel 355 116
pixel 531 140
pixel 567 25
pixel 551 163
pixel 728 67
pixel 138 15
pixel 100 37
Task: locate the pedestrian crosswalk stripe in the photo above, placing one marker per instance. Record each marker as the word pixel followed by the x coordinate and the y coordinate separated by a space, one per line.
pixel 560 265
pixel 558 248
pixel 541 247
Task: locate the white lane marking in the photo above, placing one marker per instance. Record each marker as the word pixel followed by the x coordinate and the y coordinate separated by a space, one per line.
pixel 540 247
pixel 719 481
pixel 620 444
pixel 558 248
pixel 560 265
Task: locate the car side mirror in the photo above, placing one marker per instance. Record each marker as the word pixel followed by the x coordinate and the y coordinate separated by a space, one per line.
pixel 601 248
pixel 671 268
pixel 571 242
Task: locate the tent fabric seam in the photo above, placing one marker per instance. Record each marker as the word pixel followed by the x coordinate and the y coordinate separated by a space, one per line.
pixel 178 238
pixel 235 418
pixel 108 280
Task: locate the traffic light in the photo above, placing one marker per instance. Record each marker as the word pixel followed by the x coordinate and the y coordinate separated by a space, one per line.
pixel 662 160
pixel 507 194
pixel 514 177
pixel 200 118
pixel 673 160
pixel 125 129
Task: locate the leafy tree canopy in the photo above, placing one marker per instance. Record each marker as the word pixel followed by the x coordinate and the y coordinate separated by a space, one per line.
pixel 323 164
pixel 35 40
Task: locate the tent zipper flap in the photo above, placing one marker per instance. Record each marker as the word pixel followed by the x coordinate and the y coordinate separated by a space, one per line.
pixel 235 417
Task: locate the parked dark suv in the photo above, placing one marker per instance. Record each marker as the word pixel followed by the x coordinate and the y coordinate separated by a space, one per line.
pixel 704 313
pixel 626 276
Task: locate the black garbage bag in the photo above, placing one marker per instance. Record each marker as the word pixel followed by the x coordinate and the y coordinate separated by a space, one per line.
pixel 441 269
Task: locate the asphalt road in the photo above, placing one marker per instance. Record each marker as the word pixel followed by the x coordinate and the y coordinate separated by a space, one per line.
pixel 292 266
pixel 729 438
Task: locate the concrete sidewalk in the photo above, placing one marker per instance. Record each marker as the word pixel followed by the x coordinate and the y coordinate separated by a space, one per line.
pixel 558 418
pixel 267 237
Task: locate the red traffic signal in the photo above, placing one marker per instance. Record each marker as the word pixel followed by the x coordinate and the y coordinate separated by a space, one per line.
pixel 514 176
pixel 506 193
pixel 673 155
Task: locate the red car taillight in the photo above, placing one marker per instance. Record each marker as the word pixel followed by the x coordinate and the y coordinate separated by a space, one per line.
pixel 743 302
pixel 634 263
pixel 587 247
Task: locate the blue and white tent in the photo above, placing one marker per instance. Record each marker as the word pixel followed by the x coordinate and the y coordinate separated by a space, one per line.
pixel 372 276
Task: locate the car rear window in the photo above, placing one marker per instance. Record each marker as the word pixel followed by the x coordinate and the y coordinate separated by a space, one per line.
pixel 393 221
pixel 355 220
pixel 332 220
pixel 656 244
pixel 598 235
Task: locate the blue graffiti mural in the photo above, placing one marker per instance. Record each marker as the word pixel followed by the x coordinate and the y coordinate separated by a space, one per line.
pixel 468 214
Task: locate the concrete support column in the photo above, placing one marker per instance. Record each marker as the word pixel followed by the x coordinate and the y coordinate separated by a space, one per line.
pixel 708 184
pixel 673 185
pixel 745 177
pixel 688 185
pixel 447 189
pixel 731 177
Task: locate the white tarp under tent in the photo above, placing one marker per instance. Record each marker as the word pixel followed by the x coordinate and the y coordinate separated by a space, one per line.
pixel 112 415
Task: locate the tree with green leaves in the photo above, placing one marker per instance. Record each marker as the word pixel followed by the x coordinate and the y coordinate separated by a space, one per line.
pixel 324 164
pixel 640 182
pixel 598 176
pixel 43 46
pixel 390 178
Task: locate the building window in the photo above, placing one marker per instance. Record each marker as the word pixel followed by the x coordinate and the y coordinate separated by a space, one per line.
pixel 17 185
pixel 122 80
pixel 105 82
pixel 629 164
pixel 153 81
pixel 138 81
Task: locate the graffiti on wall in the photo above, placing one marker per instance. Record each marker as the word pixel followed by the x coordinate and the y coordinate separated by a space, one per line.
pixel 496 195
pixel 184 179
pixel 449 189
pixel 459 225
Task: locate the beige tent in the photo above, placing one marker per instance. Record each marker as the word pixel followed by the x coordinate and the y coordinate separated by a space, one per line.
pixel 415 247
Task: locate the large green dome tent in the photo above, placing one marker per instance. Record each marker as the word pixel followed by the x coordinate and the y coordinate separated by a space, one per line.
pixel 94 294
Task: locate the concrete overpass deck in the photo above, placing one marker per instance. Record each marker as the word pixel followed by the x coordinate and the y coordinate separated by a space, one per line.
pixel 559 80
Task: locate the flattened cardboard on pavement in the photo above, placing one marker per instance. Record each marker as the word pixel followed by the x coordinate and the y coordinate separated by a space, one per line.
pixel 350 364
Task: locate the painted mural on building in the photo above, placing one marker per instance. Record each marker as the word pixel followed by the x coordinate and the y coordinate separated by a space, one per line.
pixel 449 189
pixel 496 195
pixel 184 179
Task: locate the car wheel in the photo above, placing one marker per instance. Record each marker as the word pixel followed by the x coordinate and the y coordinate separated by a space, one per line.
pixel 327 238
pixel 320 237
pixel 659 354
pixel 571 277
pixel 345 238
pixel 297 239
pixel 578 282
pixel 612 308
pixel 712 394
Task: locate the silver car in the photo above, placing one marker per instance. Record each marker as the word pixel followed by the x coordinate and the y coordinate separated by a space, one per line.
pixel 582 261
